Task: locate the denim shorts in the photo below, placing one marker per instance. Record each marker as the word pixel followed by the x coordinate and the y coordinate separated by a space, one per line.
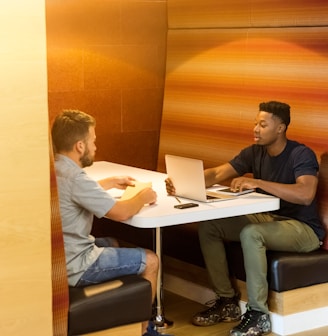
pixel 113 262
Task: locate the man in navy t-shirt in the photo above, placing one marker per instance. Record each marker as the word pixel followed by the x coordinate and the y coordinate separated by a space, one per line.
pixel 279 167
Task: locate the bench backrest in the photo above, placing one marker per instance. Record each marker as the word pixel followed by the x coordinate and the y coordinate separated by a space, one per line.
pixel 60 297
pixel 323 194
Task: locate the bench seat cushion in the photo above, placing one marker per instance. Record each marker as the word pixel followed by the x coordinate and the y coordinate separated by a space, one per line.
pixel 123 301
pixel 286 270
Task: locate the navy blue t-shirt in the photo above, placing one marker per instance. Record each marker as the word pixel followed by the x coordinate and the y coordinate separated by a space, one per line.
pixel 295 160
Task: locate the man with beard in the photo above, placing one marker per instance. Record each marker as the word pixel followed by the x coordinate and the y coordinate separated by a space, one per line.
pixel 279 167
pixel 91 260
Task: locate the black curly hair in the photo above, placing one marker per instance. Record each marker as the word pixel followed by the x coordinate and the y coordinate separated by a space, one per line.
pixel 278 109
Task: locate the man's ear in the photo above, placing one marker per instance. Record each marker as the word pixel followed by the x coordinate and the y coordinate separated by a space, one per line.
pixel 80 147
pixel 281 128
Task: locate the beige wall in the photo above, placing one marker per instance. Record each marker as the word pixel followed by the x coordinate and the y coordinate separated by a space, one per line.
pixel 25 290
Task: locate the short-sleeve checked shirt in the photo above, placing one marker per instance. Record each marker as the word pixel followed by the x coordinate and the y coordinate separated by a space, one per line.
pixel 80 198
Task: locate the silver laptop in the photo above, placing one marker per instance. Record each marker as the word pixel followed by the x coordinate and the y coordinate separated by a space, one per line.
pixel 187 176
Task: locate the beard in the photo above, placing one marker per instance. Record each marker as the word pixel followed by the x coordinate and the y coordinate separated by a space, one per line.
pixel 86 159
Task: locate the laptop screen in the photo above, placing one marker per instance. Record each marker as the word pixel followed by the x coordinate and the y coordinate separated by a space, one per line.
pixel 187 176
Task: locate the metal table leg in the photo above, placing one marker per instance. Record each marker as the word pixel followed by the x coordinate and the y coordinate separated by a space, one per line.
pixel 160 319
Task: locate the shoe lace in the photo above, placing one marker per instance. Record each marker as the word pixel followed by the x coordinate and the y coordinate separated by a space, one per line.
pixel 248 318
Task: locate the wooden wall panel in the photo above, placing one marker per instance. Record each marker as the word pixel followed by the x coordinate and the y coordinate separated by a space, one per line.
pixel 107 58
pixel 216 78
pixel 241 13
pixel 25 246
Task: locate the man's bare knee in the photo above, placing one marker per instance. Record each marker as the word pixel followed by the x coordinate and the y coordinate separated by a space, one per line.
pixel 152 261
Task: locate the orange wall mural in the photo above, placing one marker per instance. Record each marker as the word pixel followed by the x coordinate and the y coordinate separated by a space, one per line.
pixel 223 59
pixel 221 66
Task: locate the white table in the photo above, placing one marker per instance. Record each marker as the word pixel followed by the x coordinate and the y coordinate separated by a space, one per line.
pixel 164 214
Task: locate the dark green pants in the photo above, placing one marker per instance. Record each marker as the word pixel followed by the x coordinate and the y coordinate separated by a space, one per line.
pixel 257 233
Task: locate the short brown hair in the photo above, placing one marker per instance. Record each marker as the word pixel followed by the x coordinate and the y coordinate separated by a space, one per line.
pixel 69 127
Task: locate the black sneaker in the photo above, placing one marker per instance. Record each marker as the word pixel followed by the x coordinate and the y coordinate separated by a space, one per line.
pixel 253 323
pixel 152 330
pixel 223 310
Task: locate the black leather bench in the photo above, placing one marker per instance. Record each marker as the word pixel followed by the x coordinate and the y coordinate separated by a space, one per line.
pixel 118 302
pixel 286 270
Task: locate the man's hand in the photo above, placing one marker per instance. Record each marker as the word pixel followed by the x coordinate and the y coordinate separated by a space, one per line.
pixel 148 196
pixel 242 183
pixel 121 182
pixel 124 209
pixel 169 187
